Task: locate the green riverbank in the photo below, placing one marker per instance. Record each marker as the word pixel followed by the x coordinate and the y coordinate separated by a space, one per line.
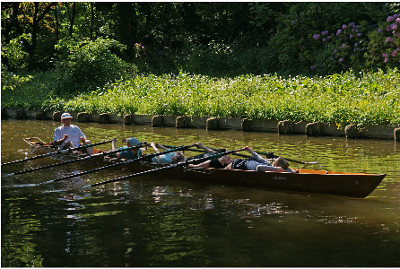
pixel 339 99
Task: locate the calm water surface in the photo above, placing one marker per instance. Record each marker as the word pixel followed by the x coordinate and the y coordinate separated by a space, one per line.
pixel 155 221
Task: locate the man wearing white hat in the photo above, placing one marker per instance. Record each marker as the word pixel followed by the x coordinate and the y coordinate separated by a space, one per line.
pixel 69 135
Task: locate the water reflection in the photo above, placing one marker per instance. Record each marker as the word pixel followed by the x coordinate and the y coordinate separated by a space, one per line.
pixel 156 221
pixel 18 230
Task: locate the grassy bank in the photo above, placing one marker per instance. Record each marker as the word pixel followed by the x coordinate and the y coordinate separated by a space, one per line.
pixel 369 98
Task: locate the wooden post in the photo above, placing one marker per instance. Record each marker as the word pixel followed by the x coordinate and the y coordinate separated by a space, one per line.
pixel 313 129
pixel 212 123
pixel 104 118
pixel 285 127
pixel 57 116
pixel 82 117
pixel 397 134
pixel 182 122
pixel 157 121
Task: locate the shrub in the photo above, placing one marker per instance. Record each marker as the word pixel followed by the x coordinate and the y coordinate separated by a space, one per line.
pixel 10 81
pixel 17 58
pixel 86 65
pixel 384 47
pixel 342 49
pixel 26 91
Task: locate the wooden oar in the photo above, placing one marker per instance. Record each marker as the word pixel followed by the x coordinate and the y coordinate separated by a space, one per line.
pixel 218 150
pixel 269 155
pixel 56 152
pixel 163 168
pixel 148 156
pixel 272 155
pixel 77 160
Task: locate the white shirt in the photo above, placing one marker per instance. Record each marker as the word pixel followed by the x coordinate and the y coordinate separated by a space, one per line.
pixel 74 133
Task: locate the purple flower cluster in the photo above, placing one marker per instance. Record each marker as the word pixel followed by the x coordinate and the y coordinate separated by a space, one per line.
pixel 392 42
pixel 139 49
pixel 349 37
pixel 138 45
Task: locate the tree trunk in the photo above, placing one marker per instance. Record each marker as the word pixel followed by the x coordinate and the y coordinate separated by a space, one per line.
pixel 31 48
pixel 91 20
pixel 71 26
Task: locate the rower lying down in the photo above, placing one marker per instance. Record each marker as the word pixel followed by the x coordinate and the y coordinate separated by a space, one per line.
pixel 256 163
pixel 167 158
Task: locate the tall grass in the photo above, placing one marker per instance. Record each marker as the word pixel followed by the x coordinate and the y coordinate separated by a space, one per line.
pixel 366 98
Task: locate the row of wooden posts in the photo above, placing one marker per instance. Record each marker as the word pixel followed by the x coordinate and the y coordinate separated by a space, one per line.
pixel 352 131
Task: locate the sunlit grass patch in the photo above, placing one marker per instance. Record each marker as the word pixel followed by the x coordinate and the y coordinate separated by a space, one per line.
pixel 366 98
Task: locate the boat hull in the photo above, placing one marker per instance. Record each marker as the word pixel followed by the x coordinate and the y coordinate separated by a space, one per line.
pixel 357 185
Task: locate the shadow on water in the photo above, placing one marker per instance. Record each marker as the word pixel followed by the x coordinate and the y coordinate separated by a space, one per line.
pixel 157 221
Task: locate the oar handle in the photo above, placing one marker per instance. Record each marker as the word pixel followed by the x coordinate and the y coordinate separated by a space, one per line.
pixel 77 160
pixel 164 167
pixel 55 153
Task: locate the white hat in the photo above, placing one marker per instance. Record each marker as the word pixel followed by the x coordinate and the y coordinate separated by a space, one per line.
pixel 66 116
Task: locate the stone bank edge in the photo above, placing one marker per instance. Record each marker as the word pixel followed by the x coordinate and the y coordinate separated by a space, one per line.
pixel 310 129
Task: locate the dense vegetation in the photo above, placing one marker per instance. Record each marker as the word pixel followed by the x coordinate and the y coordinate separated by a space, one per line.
pixel 328 62
pixel 367 98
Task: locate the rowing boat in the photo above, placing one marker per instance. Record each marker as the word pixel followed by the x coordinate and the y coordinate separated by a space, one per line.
pixel 38 147
pixel 349 184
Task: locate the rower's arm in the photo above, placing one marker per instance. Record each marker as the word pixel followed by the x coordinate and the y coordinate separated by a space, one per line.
pixel 60 141
pixel 114 144
pixel 255 155
pixel 228 167
pixel 156 150
pixel 158 145
pixel 201 146
pixel 264 168
pixel 203 165
pixel 154 147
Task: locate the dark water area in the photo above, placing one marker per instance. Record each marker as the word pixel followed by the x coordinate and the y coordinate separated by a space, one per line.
pixel 157 221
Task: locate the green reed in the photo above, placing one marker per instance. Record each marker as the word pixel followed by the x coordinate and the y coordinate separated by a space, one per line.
pixel 366 98
pixel 370 98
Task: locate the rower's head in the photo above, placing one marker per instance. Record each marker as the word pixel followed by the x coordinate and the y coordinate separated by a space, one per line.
pixel 281 162
pixel 225 160
pixel 66 119
pixel 132 142
pixel 178 157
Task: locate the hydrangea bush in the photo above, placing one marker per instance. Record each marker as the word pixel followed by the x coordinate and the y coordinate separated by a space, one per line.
pixel 359 46
pixel 345 46
pixel 384 45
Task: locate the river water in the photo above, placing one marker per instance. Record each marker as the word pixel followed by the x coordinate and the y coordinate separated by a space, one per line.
pixel 156 221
